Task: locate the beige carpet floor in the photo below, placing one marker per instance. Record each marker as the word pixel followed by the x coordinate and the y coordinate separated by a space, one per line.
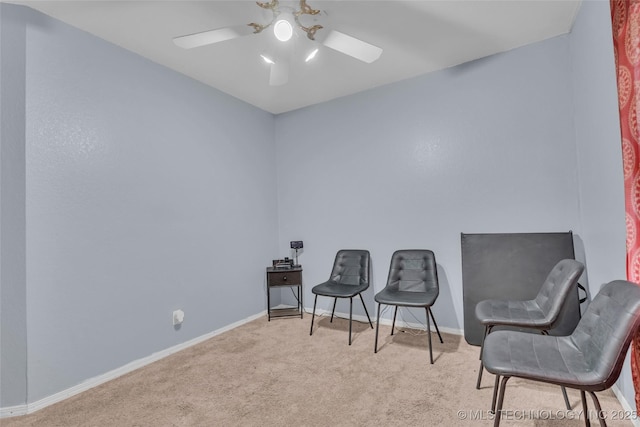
pixel 275 374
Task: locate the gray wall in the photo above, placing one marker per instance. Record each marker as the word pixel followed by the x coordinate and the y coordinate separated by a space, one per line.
pixel 599 152
pixel 598 144
pixel 484 147
pixel 13 303
pixel 145 192
pixel 528 140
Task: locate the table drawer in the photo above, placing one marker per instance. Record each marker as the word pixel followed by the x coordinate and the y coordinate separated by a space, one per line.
pixel 284 278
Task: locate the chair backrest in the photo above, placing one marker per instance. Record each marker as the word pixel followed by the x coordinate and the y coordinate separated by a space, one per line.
pixel 351 267
pixel 606 329
pixel 562 279
pixel 413 270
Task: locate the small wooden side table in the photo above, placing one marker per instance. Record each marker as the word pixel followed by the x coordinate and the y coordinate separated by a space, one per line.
pixel 279 277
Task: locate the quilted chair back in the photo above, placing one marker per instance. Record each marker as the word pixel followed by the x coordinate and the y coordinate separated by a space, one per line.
pixel 562 280
pixel 351 267
pixel 606 329
pixel 413 270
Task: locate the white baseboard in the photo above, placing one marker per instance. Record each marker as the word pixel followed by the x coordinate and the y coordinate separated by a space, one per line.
pixel 29 408
pixel 385 321
pixel 402 324
pixel 625 405
pixel 13 411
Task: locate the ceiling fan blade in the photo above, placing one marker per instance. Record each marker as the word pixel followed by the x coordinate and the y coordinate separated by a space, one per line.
pixel 279 74
pixel 352 46
pixel 212 36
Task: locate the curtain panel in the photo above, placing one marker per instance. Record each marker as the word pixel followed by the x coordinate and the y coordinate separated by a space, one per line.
pixel 625 19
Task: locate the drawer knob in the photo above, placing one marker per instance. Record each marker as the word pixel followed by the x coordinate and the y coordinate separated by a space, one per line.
pixel 284 277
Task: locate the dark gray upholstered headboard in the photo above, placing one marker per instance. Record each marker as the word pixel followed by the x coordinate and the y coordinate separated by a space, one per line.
pixel 512 266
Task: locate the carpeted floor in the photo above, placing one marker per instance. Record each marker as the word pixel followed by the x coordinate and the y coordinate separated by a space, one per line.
pixel 275 374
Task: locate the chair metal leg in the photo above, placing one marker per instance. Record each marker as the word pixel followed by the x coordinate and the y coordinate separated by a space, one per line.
pixel 365 310
pixel 350 315
pixel 498 410
pixel 585 410
pixel 598 409
pixel 495 395
pixel 480 369
pixel 313 315
pixel 566 398
pixel 393 324
pixel 429 335
pixel 435 324
pixel 487 328
pixel 334 308
pixel 375 347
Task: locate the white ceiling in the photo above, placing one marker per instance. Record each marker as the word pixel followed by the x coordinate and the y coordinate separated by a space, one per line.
pixel 417 37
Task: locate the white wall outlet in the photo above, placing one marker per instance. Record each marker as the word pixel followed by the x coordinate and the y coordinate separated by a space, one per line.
pixel 178 317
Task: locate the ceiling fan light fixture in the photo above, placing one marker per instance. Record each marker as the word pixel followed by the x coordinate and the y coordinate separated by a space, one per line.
pixel 213 36
pixel 267 59
pixel 311 55
pixel 285 20
pixel 283 30
pixel 279 73
pixel 352 46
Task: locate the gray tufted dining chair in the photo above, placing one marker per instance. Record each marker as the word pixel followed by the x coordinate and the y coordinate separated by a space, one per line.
pixel 539 313
pixel 589 360
pixel 412 282
pixel 349 277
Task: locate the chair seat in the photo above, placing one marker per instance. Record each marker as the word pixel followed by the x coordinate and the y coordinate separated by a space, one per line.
pixel 393 296
pixel 545 358
pixel 335 289
pixel 512 313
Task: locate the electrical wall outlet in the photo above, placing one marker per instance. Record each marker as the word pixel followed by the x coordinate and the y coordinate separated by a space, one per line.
pixel 178 317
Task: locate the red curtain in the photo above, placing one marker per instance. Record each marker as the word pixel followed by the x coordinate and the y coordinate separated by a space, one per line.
pixel 625 19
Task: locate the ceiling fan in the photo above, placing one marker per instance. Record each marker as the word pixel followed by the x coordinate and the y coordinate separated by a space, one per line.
pixel 284 19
